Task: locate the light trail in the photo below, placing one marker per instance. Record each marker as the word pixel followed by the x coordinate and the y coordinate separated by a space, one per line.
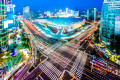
pixel 89 34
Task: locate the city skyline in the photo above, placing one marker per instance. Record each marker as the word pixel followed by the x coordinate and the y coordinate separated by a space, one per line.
pixel 52 5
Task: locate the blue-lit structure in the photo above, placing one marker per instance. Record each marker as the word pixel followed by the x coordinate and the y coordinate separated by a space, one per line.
pixel 3 30
pixel 110 20
pixel 92 13
pixel 10 13
pixel 26 12
pixel 13 52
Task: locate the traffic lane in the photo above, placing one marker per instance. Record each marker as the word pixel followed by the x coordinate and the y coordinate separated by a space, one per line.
pixel 107 75
pixel 69 66
pixel 87 48
pixel 44 76
pixel 24 71
pixel 40 58
pixel 57 65
pixel 34 74
pixel 90 75
pixel 66 52
pixel 86 77
pixel 88 68
pixel 87 73
pixel 68 76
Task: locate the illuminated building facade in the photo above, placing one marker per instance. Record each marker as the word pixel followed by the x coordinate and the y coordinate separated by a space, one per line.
pixel 26 12
pixel 47 13
pixel 92 14
pixel 83 14
pixel 110 20
pixel 3 30
pixel 67 13
pixel 10 13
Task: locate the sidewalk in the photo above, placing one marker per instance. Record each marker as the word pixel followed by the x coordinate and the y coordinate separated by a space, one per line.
pixel 8 74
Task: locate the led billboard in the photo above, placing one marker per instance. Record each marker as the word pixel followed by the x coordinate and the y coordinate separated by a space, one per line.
pixel 7 23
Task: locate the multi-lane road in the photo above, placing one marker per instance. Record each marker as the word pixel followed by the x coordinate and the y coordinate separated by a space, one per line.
pixel 63 57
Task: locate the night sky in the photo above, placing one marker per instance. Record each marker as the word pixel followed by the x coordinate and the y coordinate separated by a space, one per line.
pixel 50 5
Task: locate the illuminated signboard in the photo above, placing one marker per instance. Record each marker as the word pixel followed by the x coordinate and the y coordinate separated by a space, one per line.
pixel 6 23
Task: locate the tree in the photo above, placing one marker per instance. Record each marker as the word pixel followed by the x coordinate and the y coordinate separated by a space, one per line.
pixel 15 45
pixel 20 26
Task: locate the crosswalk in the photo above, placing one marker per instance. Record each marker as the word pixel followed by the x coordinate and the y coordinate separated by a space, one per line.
pixel 78 65
pixel 53 69
pixel 48 72
pixel 57 58
pixel 81 67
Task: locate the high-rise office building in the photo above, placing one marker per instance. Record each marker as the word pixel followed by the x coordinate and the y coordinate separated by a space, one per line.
pixel 3 30
pixel 26 9
pixel 83 14
pixel 110 20
pixel 92 14
pixel 10 13
pixel 26 12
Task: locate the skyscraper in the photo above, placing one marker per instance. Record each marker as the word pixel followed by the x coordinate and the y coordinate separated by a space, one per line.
pixel 3 30
pixel 10 12
pixel 110 20
pixel 26 12
pixel 92 14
